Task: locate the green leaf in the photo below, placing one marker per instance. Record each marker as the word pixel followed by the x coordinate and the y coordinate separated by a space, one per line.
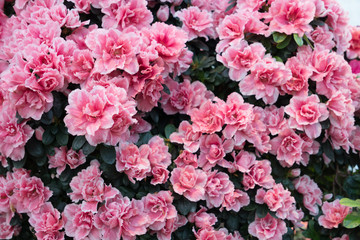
pixel 47 137
pixel 279 59
pixel 62 138
pixel 279 37
pixel 284 43
pixel 108 154
pixel 166 89
pixel 261 211
pixel 154 115
pixel 317 22
pixel 41 161
pixel 169 129
pixel 35 148
pixel 21 163
pixel 78 142
pixel 350 203
pixel 299 41
pixel 352 220
pixel 230 7
pixel 88 149
pixel 328 150
pixel 184 206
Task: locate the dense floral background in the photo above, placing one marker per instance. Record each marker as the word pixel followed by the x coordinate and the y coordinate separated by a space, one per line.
pixel 179 119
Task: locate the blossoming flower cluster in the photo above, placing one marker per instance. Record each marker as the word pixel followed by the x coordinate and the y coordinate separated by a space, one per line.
pixel 175 119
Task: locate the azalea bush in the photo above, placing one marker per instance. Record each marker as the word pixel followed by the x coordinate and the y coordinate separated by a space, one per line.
pixel 178 119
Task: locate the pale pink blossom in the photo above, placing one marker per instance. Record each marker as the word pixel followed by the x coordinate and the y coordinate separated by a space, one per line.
pixel 133 161
pixel 341 108
pixel 202 219
pixel 159 208
pixel 333 214
pixel 14 135
pixel 240 57
pixel 135 222
pixel 259 174
pixel 306 113
pixel 196 22
pixel 354 50
pixel 6 230
pixel 89 186
pixel 29 194
pixel 113 50
pixel 163 13
pixel 208 118
pixel 186 136
pixel 267 228
pixel 187 158
pixel 46 219
pixel 321 35
pixel 126 13
pixel 81 66
pixel 150 95
pixel 235 200
pixel 298 84
pixel 217 186
pixel 65 157
pixel 274 119
pixel 109 217
pixel 159 152
pixel 238 115
pixel 312 194
pixel 265 79
pixel 291 16
pixel 288 148
pixel 171 225
pixel 79 224
pixel 189 182
pixel 169 43
pixel 279 200
pixel 243 161
pixel 160 175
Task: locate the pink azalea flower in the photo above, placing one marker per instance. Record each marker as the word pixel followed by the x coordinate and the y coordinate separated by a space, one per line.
pixel 240 57
pixel 354 50
pixel 209 118
pixel 159 152
pixel 79 224
pixel 163 13
pixel 124 14
pixel 265 79
pixel 186 136
pixel 259 174
pixel 46 219
pixel 159 208
pixel 160 175
pixel 267 228
pixel 217 186
pixel 235 200
pixel 189 182
pixel 306 113
pixel 186 158
pixel 14 135
pixel 89 186
pixel 202 219
pixel 109 217
pixel 29 194
pixel 196 22
pixel 113 50
pixel 333 214
pixel 291 16
pixel 6 230
pixel 312 194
